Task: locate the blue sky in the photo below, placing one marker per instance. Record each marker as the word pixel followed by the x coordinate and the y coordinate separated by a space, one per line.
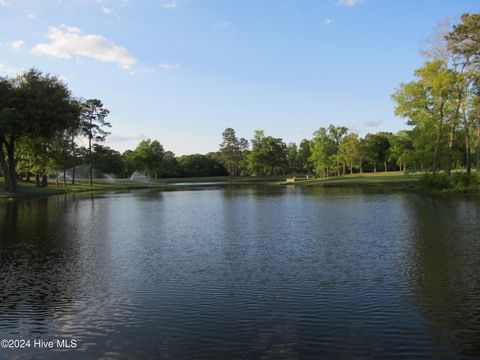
pixel 181 71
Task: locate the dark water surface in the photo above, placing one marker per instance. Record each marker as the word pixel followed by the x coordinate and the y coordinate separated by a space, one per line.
pixel 243 273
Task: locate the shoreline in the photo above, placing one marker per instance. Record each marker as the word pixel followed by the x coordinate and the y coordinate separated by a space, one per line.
pixel 386 181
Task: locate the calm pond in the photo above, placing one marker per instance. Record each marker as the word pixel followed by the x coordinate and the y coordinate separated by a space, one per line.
pixel 243 273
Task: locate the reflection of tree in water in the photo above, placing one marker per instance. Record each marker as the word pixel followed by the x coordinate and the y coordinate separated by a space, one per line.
pixel 38 273
pixel 446 267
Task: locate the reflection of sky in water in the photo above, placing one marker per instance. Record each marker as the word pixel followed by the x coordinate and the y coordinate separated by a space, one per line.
pixel 252 272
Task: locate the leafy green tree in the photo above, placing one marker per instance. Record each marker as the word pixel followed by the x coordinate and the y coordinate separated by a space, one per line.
pixel 304 154
pixel 427 104
pixel 33 106
pixel 200 165
pixel 93 116
pixel 148 157
pixel 268 155
pixel 129 163
pixel 464 44
pixel 377 149
pixel 324 149
pixel 107 160
pixel 169 166
pixel 292 158
pixel 400 149
pixel 349 150
pixel 232 150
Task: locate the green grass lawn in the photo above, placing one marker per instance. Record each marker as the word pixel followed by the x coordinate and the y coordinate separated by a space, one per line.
pixel 28 189
pixel 387 180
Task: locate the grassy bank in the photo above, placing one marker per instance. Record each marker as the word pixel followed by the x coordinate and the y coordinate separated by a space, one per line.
pixel 393 179
pixel 28 189
pixel 390 180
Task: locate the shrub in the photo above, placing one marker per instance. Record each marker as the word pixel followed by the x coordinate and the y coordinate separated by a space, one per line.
pixel 434 181
pixel 464 182
pixel 458 181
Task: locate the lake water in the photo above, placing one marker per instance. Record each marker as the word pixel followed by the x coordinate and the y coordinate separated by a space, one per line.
pixel 243 273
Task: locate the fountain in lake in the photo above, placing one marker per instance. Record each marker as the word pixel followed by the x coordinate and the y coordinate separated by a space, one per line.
pixel 82 173
pixel 139 177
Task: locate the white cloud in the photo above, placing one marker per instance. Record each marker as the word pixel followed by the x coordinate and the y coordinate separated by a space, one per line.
pixel 121 138
pixel 349 2
pixel 7 70
pixel 167 5
pixel 224 24
pixel 169 66
pixel 32 16
pixel 327 21
pixel 4 2
pixel 153 69
pixel 17 44
pixel 67 42
pixel 111 12
pixel 372 123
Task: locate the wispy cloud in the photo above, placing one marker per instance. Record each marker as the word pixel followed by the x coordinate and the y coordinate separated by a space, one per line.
pixel 327 22
pixel 67 42
pixel 372 123
pixel 111 12
pixel 7 70
pixel 122 138
pixel 17 44
pixel 32 16
pixel 169 66
pixel 349 2
pixel 223 24
pixel 169 5
pixel 4 2
pixel 150 70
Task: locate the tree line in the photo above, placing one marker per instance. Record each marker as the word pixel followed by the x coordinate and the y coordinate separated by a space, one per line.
pixel 332 151
pixel 41 124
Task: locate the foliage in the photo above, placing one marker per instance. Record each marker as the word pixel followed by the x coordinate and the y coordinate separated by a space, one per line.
pixel 33 107
pixel 148 157
pixel 268 155
pixel 200 165
pixel 232 151
pixel 458 181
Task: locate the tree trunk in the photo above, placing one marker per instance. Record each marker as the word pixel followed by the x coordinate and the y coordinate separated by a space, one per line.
pixel 451 143
pixel 374 166
pixel 44 180
pixel 37 179
pixel 74 159
pixel 468 159
pixel 385 166
pixel 64 176
pixel 6 171
pixel 478 141
pixel 435 152
pixel 11 168
pixel 344 166
pixel 90 167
